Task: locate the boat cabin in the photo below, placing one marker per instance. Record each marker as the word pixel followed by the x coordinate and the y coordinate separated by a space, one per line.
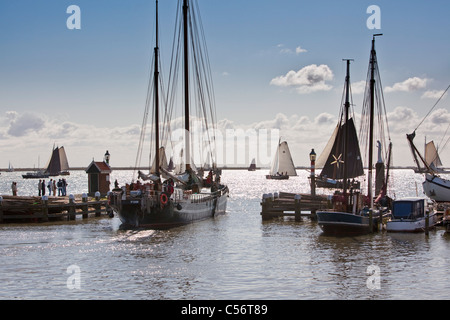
pixel 411 208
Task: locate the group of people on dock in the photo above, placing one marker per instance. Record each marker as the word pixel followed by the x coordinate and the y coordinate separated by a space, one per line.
pixel 52 185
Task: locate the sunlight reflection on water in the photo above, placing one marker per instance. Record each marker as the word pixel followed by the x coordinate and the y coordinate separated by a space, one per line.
pixel 236 256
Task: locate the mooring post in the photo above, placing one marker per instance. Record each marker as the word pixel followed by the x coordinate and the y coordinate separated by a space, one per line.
pixel 109 209
pixel 71 215
pixel 1 209
pixel 85 208
pixel 44 201
pixel 298 213
pixel 370 220
pixel 427 222
pixel 97 205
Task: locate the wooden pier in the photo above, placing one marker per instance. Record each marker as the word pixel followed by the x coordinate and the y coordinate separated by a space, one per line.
pixel 292 205
pixel 15 209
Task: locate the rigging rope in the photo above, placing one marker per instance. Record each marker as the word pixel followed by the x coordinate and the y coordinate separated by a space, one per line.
pixel 432 108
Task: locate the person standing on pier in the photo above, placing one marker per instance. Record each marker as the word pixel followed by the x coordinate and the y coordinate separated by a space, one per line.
pixel 54 187
pixel 43 187
pixel 64 187
pixel 60 193
pixel 49 187
pixel 14 188
pixel 39 187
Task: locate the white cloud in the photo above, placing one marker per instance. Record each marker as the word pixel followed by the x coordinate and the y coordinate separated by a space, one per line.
pixel 309 79
pixel 299 50
pixel 411 84
pixel 20 125
pixel 359 87
pixel 433 94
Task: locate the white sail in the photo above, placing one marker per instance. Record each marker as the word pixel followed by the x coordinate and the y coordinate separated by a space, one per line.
pixel 432 156
pixel 283 163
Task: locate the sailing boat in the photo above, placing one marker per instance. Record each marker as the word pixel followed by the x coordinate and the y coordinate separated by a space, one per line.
pixel 58 164
pixel 435 187
pixel 351 214
pixel 158 205
pixel 252 166
pixel 282 166
pixel 432 158
pixel 10 168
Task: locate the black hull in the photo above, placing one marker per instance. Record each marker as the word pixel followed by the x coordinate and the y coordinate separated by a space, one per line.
pixel 277 177
pixel 139 212
pixel 342 223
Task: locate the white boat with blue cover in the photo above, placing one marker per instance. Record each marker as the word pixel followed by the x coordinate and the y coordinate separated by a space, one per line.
pixel 409 215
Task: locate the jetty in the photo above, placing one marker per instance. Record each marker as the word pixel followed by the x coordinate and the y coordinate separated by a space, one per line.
pixel 14 209
pixel 283 204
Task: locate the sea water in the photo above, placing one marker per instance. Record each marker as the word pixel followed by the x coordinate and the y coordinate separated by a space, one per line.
pixel 232 257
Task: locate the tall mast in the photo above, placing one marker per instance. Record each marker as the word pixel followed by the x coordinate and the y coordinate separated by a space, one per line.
pixel 347 107
pixel 373 58
pixel 156 83
pixel 186 85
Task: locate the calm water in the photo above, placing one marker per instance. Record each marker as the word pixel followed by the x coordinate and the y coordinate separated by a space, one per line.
pixel 236 256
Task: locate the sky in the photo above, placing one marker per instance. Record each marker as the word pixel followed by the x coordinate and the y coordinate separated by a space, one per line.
pixel 276 65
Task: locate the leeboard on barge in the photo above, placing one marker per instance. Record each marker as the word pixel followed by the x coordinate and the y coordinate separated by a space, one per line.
pixel 36 209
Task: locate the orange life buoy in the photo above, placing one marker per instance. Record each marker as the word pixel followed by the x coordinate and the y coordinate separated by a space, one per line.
pixel 163 198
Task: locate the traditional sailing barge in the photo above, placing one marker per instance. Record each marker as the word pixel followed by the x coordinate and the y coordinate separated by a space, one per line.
pixel 185 197
pixel 354 213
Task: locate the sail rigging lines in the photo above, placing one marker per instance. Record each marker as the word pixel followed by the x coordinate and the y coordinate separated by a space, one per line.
pixel 200 78
pixel 431 110
pixel 380 113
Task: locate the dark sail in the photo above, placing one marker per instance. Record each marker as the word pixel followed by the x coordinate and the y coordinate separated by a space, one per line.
pixel 58 162
pixel 334 166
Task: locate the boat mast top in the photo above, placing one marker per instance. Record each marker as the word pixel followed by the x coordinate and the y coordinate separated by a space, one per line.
pixel 186 84
pixel 373 58
pixel 347 107
pixel 156 84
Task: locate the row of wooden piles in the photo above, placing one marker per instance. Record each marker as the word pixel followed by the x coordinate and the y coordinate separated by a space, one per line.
pixel 15 209
pixel 285 204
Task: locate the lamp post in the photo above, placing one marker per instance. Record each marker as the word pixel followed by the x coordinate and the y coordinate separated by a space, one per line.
pixel 106 157
pixel 312 157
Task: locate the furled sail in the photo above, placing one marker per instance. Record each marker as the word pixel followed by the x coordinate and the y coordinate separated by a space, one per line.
pixel 334 165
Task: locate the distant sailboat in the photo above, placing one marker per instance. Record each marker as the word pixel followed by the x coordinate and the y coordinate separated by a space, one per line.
pixel 252 165
pixel 38 174
pixel 58 164
pixel 10 168
pixel 282 166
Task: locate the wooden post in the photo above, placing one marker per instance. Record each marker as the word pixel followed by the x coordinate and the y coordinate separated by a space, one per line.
pixel 266 203
pixel 84 199
pixel 71 215
pixel 427 222
pixel 298 212
pixel 370 220
pixel 1 209
pixel 44 201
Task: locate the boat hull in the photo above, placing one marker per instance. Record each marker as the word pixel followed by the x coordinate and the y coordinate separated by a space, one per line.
pixel 270 177
pixel 343 223
pixel 143 212
pixel 411 225
pixel 436 188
